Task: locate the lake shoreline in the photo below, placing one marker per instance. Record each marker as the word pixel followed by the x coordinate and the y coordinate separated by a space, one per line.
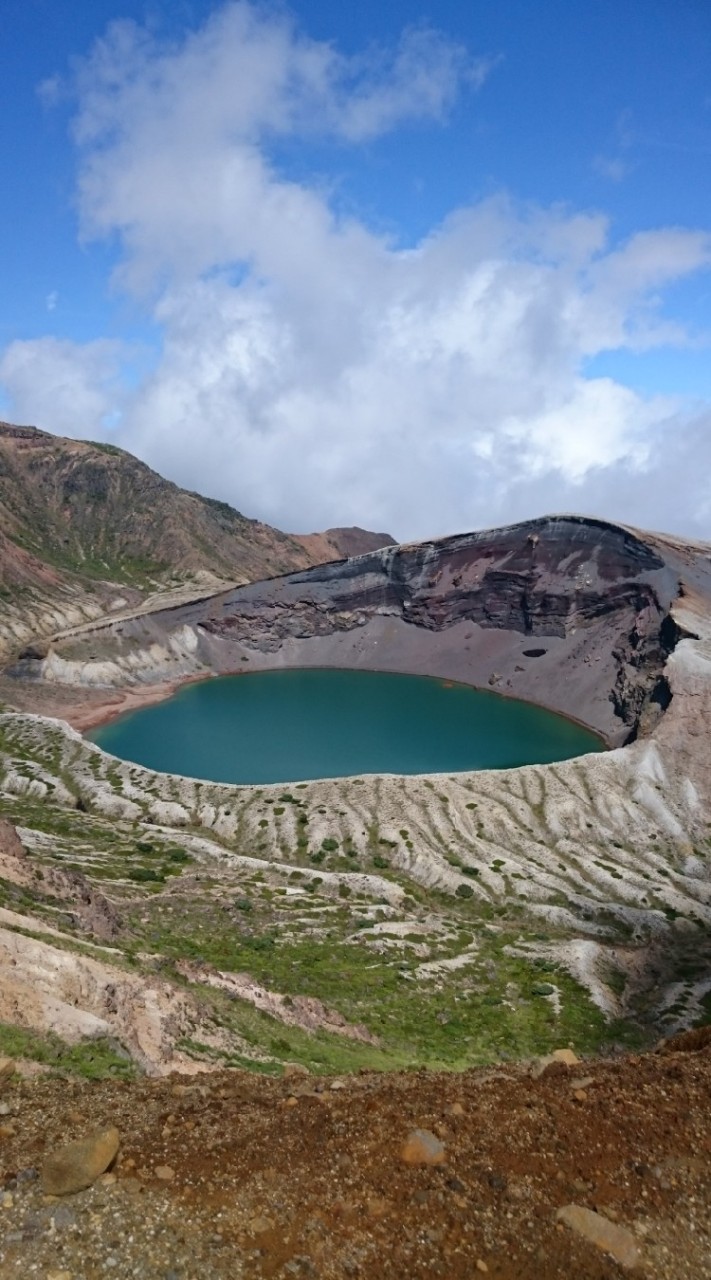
pixel 373 722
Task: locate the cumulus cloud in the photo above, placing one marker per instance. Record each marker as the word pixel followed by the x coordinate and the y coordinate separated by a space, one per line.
pixel 315 372
pixel 69 388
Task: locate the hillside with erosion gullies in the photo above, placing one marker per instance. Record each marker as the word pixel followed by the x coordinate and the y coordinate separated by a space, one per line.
pixel 417 1026
pixel 86 529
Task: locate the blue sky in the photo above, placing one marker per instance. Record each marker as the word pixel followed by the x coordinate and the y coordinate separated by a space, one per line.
pixel 417 267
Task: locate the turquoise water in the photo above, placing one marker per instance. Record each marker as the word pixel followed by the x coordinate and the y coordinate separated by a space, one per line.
pixel 286 726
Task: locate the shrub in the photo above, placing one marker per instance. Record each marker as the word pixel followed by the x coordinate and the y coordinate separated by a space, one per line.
pixel 464 891
pixel 178 855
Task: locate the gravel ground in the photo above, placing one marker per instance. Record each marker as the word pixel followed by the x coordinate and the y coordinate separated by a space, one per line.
pixel 236 1175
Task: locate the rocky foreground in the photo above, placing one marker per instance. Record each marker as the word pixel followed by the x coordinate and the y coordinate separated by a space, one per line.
pixel 587 1169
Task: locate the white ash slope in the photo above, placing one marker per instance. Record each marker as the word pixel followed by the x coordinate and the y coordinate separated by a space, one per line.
pixel 611 853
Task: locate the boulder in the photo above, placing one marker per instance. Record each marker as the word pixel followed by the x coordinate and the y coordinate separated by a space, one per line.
pixel 615 1240
pixel 77 1165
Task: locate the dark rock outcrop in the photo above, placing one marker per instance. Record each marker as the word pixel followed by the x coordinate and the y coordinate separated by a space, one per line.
pixel 582 584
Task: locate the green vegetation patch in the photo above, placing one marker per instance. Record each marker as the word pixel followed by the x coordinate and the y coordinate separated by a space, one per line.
pixel 93 1059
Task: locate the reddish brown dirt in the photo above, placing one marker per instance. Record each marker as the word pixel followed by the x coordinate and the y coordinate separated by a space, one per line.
pixel 264 1186
pixel 82 707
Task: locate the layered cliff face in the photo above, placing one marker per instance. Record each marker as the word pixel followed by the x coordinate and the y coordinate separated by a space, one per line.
pixel 553 588
pixel 570 612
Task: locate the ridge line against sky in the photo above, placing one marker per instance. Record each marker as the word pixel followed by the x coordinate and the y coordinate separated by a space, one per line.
pixel 362 268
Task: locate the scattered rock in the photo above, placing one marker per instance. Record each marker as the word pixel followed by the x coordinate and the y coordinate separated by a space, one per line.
pixel 606 1235
pixel 260 1225
pixel 557 1059
pixel 377 1208
pixel 78 1165
pixel 456 1109
pixel 7 1069
pixel 295 1069
pixel 686 1041
pixel 165 1173
pixel 567 1056
pixel 582 1082
pixel 422 1147
pixel 11 845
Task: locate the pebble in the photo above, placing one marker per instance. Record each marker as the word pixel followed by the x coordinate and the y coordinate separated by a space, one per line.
pixel 377 1208
pixel 422 1147
pixel 63 1216
pixel 77 1165
pixel 606 1235
pixel 481 1265
pixel 165 1173
pixel 259 1225
pixel 565 1055
pixel 58 1275
pixel 456 1109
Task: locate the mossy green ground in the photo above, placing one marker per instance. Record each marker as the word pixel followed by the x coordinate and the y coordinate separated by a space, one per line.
pixel 92 1059
pixel 282 923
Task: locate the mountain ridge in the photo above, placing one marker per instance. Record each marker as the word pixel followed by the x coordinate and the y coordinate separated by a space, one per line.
pixel 86 528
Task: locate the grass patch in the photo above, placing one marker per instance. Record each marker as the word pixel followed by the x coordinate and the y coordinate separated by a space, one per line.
pixel 93 1059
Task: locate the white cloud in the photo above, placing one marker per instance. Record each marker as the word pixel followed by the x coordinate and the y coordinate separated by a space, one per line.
pixel 62 386
pixel 612 167
pixel 51 300
pixel 313 372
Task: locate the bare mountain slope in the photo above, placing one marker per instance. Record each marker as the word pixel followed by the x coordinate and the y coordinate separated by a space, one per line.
pixel 83 523
pixel 340 544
